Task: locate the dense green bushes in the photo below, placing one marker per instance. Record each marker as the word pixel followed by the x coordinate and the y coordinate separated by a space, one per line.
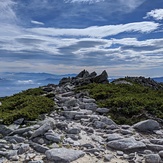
pixel 27 104
pixel 127 103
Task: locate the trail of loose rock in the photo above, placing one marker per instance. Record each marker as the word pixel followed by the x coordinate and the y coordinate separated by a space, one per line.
pixel 76 131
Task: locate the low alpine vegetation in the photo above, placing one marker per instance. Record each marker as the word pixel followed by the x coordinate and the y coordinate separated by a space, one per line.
pixel 128 103
pixel 28 104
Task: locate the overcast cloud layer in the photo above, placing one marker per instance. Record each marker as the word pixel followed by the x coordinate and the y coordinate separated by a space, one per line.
pixel 67 36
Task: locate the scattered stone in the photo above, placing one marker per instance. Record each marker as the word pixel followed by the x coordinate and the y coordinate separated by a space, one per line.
pixel 126 144
pixel 108 157
pixel 102 110
pixel 39 148
pixel 63 155
pixel 114 136
pixel 161 154
pixel 120 153
pixel 147 125
pixel 152 158
pixel 73 131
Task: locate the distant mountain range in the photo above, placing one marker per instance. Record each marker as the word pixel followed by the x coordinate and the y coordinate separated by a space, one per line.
pixel 11 83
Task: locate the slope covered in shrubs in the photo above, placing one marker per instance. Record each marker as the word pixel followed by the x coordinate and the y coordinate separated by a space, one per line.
pixel 28 104
pixel 128 103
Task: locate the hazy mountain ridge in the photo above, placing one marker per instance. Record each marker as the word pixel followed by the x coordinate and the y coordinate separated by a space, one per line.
pixel 11 83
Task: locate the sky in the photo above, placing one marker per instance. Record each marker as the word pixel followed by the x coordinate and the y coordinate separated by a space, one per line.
pixel 123 37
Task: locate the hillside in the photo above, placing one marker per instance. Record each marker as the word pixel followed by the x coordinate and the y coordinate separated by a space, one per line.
pixel 84 119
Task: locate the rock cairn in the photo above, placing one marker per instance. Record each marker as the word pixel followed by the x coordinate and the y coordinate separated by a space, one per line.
pixel 78 132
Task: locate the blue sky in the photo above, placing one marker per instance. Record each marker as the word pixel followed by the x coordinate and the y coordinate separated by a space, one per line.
pixel 124 37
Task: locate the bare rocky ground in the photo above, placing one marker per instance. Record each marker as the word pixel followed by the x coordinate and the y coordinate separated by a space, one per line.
pixel 77 132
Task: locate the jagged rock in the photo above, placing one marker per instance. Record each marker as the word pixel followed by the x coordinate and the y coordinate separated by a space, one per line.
pixel 17 139
pixel 108 157
pixel 73 131
pixel 8 154
pixel 63 155
pixel 114 136
pixel 19 121
pixel 157 141
pixel 99 124
pixel 147 125
pixel 126 144
pixel 161 154
pixel 152 158
pixel 23 148
pixel 65 80
pixel 39 148
pixel 53 137
pixel 45 127
pixel 102 110
pixel 83 74
pixel 103 78
pixel 108 121
pixel 4 130
pixel 155 147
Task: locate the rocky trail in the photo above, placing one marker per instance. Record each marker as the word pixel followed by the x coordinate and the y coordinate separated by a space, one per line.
pixel 78 132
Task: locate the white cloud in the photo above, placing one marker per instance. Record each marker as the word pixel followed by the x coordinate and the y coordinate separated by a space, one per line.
pixel 7 13
pixel 98 31
pixel 83 1
pixel 37 22
pixel 156 14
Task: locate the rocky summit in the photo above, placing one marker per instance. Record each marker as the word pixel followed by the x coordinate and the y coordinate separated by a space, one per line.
pixel 78 131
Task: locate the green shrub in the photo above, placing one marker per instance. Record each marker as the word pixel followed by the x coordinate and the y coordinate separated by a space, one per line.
pixel 127 103
pixel 27 104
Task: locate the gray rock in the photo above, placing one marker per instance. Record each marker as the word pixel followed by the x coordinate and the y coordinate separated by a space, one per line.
pixel 102 110
pixel 53 137
pixel 23 148
pixel 89 100
pixel 157 141
pixel 71 102
pixel 19 121
pixel 4 130
pixel 120 153
pixel 99 124
pixel 63 155
pixel 102 78
pixel 39 148
pixel 161 154
pixel 87 145
pixel 126 144
pixel 73 131
pixel 107 121
pixel 90 106
pixel 108 157
pixel 72 114
pixel 40 161
pixel 45 127
pixel 155 147
pixel 16 138
pixel 114 136
pixel 8 154
pixel 147 125
pixel 152 158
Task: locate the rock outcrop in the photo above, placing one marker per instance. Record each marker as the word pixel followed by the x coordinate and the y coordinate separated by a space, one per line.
pixel 78 131
pixel 84 77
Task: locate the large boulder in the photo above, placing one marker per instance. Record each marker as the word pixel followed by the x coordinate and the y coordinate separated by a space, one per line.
pixel 63 155
pixel 126 144
pixel 83 74
pixel 103 78
pixel 147 125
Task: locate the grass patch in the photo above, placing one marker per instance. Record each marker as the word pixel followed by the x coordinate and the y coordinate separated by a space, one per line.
pixel 128 104
pixel 28 104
